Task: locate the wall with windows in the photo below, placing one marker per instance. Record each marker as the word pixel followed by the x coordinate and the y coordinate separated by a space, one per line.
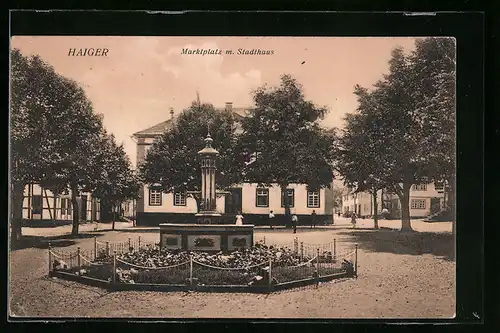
pixel 156 201
pixel 258 200
pixel 254 201
pixel 42 204
pixel 422 197
pixel 362 203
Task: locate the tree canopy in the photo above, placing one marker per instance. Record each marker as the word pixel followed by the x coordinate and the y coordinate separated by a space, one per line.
pixel 283 140
pixel 403 130
pixel 173 163
pixel 56 137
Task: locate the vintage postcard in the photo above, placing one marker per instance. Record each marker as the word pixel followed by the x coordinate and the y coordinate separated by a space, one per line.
pixel 232 177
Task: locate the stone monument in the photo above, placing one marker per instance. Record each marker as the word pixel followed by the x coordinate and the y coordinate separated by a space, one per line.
pixel 207 234
pixel 208 212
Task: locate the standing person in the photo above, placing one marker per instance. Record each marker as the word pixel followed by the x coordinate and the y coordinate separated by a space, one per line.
pixel 295 219
pixel 271 219
pixel 338 213
pixel 313 219
pixel 353 219
pixel 239 218
pixel 385 213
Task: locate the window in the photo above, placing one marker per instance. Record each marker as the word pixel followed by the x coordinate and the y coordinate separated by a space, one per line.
pixel 313 199
pixel 420 187
pixel 36 206
pixel 154 197
pixel 418 203
pixel 262 197
pixel 439 186
pixel 65 206
pixel 289 196
pixel 179 199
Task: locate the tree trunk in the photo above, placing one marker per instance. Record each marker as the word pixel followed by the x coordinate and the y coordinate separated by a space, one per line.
pixel 452 201
pixel 76 210
pixel 16 218
pixel 114 217
pixel 355 204
pixel 404 197
pixel 375 210
pixel 382 198
pixel 288 215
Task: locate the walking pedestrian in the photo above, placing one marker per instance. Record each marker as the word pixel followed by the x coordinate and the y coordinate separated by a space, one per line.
pixel 295 219
pixel 313 219
pixel 239 218
pixel 271 219
pixel 353 219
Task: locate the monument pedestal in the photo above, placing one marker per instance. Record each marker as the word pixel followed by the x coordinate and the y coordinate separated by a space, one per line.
pixel 205 237
pixel 208 217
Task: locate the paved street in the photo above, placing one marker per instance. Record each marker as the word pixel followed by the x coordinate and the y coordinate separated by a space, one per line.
pixel 400 275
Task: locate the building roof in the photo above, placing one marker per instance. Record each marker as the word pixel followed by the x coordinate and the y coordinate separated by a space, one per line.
pixel 160 128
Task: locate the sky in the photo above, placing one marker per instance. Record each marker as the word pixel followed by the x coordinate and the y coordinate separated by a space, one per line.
pixel 140 78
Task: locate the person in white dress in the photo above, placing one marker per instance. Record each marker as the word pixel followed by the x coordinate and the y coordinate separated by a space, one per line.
pixel 271 219
pixel 239 219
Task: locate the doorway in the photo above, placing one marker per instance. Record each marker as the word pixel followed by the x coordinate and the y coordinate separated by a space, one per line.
pixel 84 208
pixel 233 202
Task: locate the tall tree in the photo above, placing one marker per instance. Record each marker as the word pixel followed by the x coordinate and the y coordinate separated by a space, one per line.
pixel 74 145
pixel 22 132
pixel 435 64
pixel 33 115
pixel 413 109
pixel 117 181
pixel 337 193
pixel 283 140
pixel 173 163
pixel 360 149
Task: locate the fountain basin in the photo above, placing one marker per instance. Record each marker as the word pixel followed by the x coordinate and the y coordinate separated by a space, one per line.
pixel 206 237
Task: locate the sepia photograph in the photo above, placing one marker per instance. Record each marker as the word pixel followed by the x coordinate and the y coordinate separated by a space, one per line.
pixel 232 177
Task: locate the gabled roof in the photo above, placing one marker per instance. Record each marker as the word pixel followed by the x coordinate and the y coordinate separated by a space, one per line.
pixel 157 129
pixel 160 128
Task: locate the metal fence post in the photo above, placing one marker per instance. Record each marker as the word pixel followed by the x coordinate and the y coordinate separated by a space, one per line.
pixel 301 251
pixel 78 256
pixel 95 248
pixel 139 246
pixel 270 278
pixel 50 259
pixel 317 266
pixel 107 249
pixel 129 244
pixel 356 261
pixel 264 240
pixel 114 266
pixel 334 249
pixel 191 270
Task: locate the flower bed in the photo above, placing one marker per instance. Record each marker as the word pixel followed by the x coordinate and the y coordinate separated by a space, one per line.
pixel 258 266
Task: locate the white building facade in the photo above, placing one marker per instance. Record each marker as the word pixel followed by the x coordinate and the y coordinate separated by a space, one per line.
pixel 41 206
pixel 425 200
pixel 254 202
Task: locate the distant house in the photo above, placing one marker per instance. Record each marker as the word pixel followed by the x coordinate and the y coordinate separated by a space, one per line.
pixel 128 209
pixel 41 206
pixel 425 200
pixel 255 203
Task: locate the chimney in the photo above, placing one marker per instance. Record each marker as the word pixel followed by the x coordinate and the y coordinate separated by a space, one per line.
pixel 171 113
pixel 229 106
